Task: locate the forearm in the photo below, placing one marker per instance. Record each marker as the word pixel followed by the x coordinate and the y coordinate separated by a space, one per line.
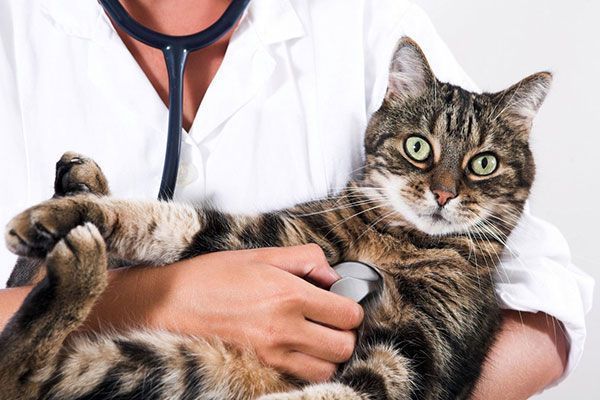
pixel 10 300
pixel 530 353
pixel 120 305
pixel 254 298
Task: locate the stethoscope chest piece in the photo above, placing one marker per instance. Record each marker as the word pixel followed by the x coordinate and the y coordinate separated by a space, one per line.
pixel 358 280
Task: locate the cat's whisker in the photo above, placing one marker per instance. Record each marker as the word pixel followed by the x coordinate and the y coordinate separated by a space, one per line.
pixel 488 249
pixel 351 174
pixel 340 193
pixel 474 253
pixel 499 266
pixel 517 258
pixel 370 226
pixel 482 233
pixel 507 218
pixel 329 210
pixel 352 216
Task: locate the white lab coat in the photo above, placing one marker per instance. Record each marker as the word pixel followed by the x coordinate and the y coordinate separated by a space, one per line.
pixel 281 122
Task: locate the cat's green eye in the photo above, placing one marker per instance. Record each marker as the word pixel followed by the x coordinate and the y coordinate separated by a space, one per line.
pixel 417 148
pixel 484 164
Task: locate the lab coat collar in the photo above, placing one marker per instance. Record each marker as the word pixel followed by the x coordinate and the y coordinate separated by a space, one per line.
pixel 245 70
pixel 74 17
pixel 266 22
pixel 275 20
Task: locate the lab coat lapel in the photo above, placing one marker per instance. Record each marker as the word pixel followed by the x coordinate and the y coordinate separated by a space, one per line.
pixel 122 85
pixel 111 68
pixel 245 69
pixel 247 65
pixel 114 71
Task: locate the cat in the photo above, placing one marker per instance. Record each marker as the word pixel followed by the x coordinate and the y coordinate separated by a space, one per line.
pixel 446 176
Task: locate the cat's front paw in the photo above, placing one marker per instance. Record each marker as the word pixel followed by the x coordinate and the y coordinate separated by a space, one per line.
pixel 35 231
pixel 79 262
pixel 76 173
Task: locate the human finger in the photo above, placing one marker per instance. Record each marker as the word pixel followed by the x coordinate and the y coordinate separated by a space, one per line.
pixel 332 309
pixel 306 367
pixel 326 343
pixel 306 261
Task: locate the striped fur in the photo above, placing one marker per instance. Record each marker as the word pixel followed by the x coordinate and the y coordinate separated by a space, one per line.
pixel 425 335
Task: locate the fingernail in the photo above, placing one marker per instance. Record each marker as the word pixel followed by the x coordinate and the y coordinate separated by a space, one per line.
pixel 334 274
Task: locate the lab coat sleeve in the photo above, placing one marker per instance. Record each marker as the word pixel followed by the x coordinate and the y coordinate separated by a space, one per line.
pixel 536 274
pixel 13 167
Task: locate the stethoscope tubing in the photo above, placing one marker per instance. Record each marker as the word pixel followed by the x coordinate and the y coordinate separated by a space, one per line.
pixel 175 50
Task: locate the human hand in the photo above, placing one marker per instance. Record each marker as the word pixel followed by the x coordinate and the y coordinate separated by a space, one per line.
pixel 252 298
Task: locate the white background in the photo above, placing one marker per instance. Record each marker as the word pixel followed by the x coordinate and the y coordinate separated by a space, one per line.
pixel 498 43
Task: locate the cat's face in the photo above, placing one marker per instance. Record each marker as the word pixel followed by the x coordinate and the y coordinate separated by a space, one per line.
pixel 445 159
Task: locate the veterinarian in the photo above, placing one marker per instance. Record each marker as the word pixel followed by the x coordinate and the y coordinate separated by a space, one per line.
pixel 274 114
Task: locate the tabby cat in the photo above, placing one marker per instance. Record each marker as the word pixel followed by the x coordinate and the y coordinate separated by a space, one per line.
pixel 446 176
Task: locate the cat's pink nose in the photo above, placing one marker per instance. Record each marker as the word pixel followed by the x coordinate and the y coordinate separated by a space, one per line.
pixel 443 197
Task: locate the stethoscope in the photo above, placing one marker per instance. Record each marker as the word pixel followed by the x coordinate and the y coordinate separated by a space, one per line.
pixel 358 279
pixel 175 50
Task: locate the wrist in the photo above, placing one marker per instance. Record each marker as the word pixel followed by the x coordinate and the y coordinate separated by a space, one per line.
pixel 172 297
pixel 131 299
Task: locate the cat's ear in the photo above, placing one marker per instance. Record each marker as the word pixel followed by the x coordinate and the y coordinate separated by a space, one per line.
pixel 410 73
pixel 521 102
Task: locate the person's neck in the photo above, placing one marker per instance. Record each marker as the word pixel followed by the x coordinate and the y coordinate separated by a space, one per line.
pixel 176 17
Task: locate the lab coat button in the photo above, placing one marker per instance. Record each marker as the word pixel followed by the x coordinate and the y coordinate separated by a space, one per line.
pixel 186 175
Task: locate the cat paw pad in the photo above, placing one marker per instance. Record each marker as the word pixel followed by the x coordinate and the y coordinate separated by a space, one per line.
pixel 76 174
pixel 35 231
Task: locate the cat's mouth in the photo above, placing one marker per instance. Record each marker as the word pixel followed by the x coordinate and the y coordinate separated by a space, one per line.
pixel 438 217
pixel 439 221
pixel 435 216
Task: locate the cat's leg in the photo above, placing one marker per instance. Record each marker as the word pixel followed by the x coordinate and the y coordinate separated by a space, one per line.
pixel 140 231
pixel 380 372
pixel 156 233
pixel 75 174
pixel 31 341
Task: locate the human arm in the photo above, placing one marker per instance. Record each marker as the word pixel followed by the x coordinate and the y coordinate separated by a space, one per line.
pixel 254 298
pixel 529 354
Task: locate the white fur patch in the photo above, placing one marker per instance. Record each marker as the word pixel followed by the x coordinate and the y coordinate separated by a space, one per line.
pixel 324 391
pixel 421 215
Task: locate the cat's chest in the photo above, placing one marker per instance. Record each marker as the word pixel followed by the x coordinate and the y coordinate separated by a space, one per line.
pixel 392 254
pixel 415 272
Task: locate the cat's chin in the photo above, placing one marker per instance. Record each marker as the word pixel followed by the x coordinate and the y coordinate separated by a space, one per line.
pixel 436 225
pixel 433 225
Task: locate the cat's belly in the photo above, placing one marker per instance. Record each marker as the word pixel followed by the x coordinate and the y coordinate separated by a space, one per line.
pixel 133 363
